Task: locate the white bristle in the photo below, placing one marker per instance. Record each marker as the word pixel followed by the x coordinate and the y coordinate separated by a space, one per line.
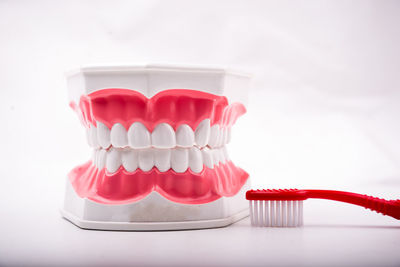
pixel 251 212
pixel 261 217
pixel 256 212
pixel 266 209
pixel 276 213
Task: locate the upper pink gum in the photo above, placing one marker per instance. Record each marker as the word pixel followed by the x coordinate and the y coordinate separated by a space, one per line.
pixel 175 107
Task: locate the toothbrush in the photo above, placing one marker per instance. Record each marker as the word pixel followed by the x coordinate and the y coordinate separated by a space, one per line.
pixel 284 207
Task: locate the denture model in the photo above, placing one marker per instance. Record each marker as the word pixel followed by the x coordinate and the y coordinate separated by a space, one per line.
pixel 159 136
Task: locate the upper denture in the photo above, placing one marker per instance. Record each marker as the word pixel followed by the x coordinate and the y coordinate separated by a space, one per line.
pixel 122 117
pixel 175 107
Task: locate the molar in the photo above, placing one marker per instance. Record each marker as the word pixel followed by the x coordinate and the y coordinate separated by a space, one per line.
pixel 228 135
pixel 221 155
pixel 225 152
pixel 220 138
pixel 224 136
pixel 216 156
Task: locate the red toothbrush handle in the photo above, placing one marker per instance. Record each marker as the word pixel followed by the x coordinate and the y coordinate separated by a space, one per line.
pixel 386 207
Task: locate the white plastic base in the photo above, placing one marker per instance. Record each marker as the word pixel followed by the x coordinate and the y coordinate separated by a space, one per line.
pixel 154 212
pixel 154 226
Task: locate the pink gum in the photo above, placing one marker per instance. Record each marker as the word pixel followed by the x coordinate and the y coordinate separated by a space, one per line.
pixel 175 107
pixel 188 188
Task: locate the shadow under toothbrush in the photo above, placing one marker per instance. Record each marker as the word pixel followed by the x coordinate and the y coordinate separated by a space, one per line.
pixel 391 227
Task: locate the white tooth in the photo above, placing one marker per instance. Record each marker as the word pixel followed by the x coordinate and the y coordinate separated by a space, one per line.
pixel 225 152
pixel 146 159
pixel 92 136
pixel 163 136
pixel 214 133
pixel 220 137
pixel 202 133
pixel 207 157
pixel 103 135
pixel 216 156
pixel 179 159
pixel 130 159
pixel 184 136
pixel 224 137
pixel 221 155
pixel 195 160
pixel 139 136
pixel 113 161
pixel 162 159
pixel 118 135
pixel 88 137
pixel 94 156
pixel 101 158
pixel 229 136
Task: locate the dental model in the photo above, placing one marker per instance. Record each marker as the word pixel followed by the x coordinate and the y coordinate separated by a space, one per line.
pixel 159 136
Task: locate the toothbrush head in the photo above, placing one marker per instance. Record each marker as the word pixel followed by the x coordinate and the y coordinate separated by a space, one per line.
pixel 276 207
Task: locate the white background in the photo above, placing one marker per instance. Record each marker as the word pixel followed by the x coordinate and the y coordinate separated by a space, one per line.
pixel 324 112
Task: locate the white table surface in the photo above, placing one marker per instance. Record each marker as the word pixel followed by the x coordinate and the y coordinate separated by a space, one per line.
pixel 334 234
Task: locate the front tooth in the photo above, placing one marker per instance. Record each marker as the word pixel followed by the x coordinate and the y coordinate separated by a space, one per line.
pixel 195 160
pixel 202 133
pixel 214 134
pixel 101 158
pixel 118 135
pixel 184 136
pixel 103 135
pixel 113 161
pixel 163 136
pixel 162 159
pixel 179 159
pixel 139 136
pixel 130 159
pixel 207 157
pixel 146 159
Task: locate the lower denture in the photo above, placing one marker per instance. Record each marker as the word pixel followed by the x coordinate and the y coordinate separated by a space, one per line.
pixel 188 187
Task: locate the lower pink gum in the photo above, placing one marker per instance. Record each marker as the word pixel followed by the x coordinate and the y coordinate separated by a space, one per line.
pixel 123 187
